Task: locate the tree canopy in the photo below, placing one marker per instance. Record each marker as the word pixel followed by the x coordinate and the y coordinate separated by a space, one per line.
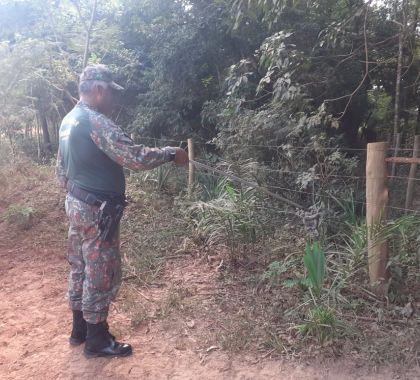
pixel 234 71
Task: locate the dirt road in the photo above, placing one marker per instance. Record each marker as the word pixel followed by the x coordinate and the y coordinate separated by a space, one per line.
pixel 35 322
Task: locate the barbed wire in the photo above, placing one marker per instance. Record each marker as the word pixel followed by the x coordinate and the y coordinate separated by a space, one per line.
pixel 165 140
pixel 220 173
pixel 317 176
pixel 283 146
pixel 248 183
pixel 265 188
pixel 283 172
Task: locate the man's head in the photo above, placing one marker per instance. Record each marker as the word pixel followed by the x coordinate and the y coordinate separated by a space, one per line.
pixel 97 87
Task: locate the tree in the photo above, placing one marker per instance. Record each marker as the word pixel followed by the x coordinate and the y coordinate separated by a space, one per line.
pixel 88 26
pixel 194 67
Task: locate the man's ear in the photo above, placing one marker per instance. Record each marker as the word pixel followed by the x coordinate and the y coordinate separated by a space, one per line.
pixel 100 90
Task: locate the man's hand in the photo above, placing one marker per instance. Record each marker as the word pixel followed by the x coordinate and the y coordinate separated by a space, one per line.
pixel 181 157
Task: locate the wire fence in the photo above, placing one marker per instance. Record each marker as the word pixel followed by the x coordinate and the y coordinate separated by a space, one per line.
pixel 218 173
pixel 319 176
pixel 269 146
pixel 269 189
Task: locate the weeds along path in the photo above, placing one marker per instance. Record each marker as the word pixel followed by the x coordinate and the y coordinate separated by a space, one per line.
pixel 167 323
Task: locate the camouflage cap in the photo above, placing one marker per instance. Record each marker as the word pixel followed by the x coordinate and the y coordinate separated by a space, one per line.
pixel 101 73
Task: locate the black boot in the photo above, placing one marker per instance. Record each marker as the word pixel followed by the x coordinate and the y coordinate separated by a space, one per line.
pixel 79 331
pixel 100 342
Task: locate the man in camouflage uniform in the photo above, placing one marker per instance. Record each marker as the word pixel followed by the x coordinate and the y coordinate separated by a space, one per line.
pixel 91 156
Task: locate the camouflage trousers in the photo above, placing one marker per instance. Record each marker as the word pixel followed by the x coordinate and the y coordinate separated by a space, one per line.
pixel 95 265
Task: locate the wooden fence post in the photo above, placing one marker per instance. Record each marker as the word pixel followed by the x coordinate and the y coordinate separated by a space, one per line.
pixel 412 175
pixel 376 213
pixel 191 173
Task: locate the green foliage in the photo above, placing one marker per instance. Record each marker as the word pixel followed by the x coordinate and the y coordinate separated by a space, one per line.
pixel 233 219
pixel 353 255
pixel 164 178
pixel 274 271
pixel 404 263
pixel 158 176
pixel 184 52
pixel 20 216
pixel 245 72
pixel 349 251
pixel 404 234
pixel 315 265
pixel 211 187
pixel 381 106
pixel 322 323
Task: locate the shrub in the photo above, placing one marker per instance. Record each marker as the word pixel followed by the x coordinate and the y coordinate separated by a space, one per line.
pixel 322 323
pixel 233 218
pixel 19 215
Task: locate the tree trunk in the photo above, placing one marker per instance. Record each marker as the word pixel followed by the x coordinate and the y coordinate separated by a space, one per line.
pixel 45 133
pixel 397 105
pixel 88 34
pixel 87 26
pixel 398 84
pixel 57 132
pixel 12 147
pixel 417 132
pixel 412 176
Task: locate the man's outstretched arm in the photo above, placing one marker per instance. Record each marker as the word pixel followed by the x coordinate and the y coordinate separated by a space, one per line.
pixel 120 148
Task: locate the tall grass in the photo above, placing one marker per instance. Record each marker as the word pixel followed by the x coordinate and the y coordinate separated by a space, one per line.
pixel 227 216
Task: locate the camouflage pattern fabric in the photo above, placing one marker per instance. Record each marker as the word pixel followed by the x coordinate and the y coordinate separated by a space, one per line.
pixel 118 146
pixel 95 274
pixel 100 73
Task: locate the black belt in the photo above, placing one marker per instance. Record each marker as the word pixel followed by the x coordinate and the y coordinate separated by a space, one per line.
pixel 90 198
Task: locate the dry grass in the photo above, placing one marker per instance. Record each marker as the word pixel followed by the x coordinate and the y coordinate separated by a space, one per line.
pixel 234 308
pixel 32 194
pixel 150 232
pixel 231 333
pixel 133 304
pixel 175 300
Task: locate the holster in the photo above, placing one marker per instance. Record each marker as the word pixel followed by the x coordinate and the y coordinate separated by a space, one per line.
pixel 109 219
pixel 110 209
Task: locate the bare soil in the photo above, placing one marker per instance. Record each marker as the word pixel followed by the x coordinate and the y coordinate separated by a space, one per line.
pixel 35 320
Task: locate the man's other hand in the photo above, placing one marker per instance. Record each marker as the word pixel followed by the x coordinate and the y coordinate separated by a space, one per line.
pixel 181 157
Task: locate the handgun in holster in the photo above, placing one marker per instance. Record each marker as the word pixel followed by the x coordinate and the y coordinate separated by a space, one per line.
pixel 109 220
